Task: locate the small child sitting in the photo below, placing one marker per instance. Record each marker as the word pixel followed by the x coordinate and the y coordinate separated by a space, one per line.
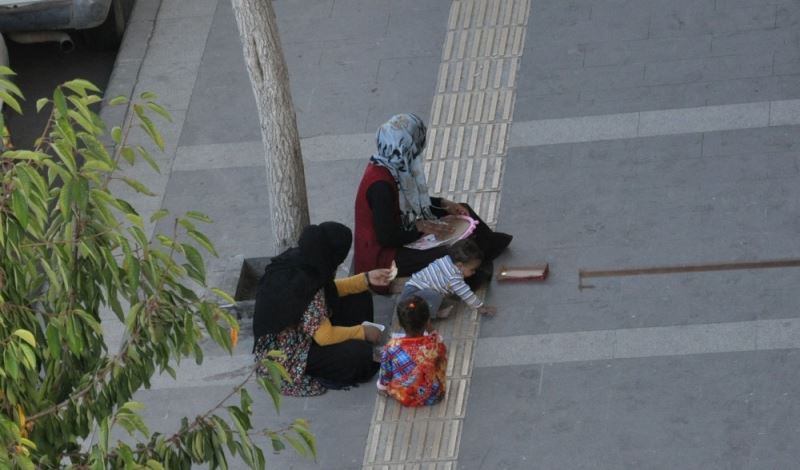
pixel 445 276
pixel 413 367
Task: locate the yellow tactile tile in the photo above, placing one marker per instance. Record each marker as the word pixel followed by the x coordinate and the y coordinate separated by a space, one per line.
pixel 468 136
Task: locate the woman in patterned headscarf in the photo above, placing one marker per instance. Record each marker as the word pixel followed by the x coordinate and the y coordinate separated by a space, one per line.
pixel 393 207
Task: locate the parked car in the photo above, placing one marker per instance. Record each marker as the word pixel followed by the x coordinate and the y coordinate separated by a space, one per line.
pixel 102 22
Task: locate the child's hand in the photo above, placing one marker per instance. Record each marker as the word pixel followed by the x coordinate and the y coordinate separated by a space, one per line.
pixel 487 310
pixel 372 334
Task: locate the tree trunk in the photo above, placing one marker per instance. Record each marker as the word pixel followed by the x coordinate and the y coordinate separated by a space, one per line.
pixel 269 77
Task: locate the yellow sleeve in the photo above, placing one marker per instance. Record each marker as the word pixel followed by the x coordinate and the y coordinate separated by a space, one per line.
pixel 351 285
pixel 328 334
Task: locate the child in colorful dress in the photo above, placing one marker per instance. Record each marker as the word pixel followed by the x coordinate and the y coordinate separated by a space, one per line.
pixel 445 276
pixel 413 366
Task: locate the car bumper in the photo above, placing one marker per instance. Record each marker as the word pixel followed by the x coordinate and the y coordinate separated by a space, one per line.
pixel 41 15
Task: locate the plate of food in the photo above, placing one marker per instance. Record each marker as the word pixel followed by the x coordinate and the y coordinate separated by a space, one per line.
pixel 461 225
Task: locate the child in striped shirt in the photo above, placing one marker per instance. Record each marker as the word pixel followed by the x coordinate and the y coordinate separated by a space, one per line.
pixel 445 276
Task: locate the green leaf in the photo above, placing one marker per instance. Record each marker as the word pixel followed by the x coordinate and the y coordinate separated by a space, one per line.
pixel 91 321
pixel 135 219
pixel 20 207
pixel 277 444
pixel 28 356
pixel 118 100
pixel 273 392
pixel 199 216
pixel 128 155
pixel 12 102
pixel 151 130
pixel 194 258
pixel 137 186
pixel 148 158
pixel 133 406
pixel 148 96
pixel 41 103
pixel 64 152
pixel 158 215
pixel 203 241
pixel 116 134
pixel 65 199
pixel 103 441
pixel 153 465
pixel 10 363
pixel 60 101
pixel 97 165
pixel 73 340
pixel 53 341
pixel 80 86
pixel 298 446
pixel 225 296
pixel 300 426
pixel 10 86
pixel 26 336
pixel 160 110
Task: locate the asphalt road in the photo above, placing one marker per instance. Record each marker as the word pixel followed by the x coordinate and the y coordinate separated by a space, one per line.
pixel 39 68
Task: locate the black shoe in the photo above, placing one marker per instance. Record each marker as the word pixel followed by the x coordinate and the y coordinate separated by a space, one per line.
pixel 498 241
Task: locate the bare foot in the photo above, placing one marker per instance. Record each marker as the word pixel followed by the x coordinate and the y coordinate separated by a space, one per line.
pixel 444 312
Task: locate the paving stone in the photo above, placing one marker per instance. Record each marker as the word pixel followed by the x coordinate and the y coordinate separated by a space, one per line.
pixel 786 62
pixel 530 106
pixel 694 412
pixel 552 428
pixel 172 83
pixel 787 14
pixel 241 230
pixel 123 79
pixel 145 10
pixel 748 90
pixel 708 69
pixel 706 119
pixel 604 24
pixel 765 140
pixel 414 77
pixel 595 78
pixel 754 42
pixel 186 8
pixel 650 50
pixel 723 5
pixel 694 18
pixel 540 58
pixel 594 102
pixel 178 39
pixel 136 40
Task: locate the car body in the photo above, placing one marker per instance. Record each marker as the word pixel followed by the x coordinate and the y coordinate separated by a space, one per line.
pixel 42 15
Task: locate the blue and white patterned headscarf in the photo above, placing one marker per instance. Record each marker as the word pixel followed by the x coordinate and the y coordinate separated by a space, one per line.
pixel 401 141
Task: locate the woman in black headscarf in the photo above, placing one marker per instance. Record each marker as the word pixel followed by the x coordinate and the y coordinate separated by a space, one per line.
pixel 314 319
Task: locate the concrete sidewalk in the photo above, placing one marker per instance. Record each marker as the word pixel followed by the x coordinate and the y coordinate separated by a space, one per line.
pixel 603 134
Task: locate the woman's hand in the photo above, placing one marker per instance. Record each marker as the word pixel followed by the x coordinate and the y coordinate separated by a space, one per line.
pixel 439 229
pixel 372 334
pixel 379 277
pixel 454 208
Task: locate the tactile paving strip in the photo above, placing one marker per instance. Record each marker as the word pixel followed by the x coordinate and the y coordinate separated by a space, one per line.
pixel 467 142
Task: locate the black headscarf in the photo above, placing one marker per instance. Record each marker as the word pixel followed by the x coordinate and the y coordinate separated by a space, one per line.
pixel 292 278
